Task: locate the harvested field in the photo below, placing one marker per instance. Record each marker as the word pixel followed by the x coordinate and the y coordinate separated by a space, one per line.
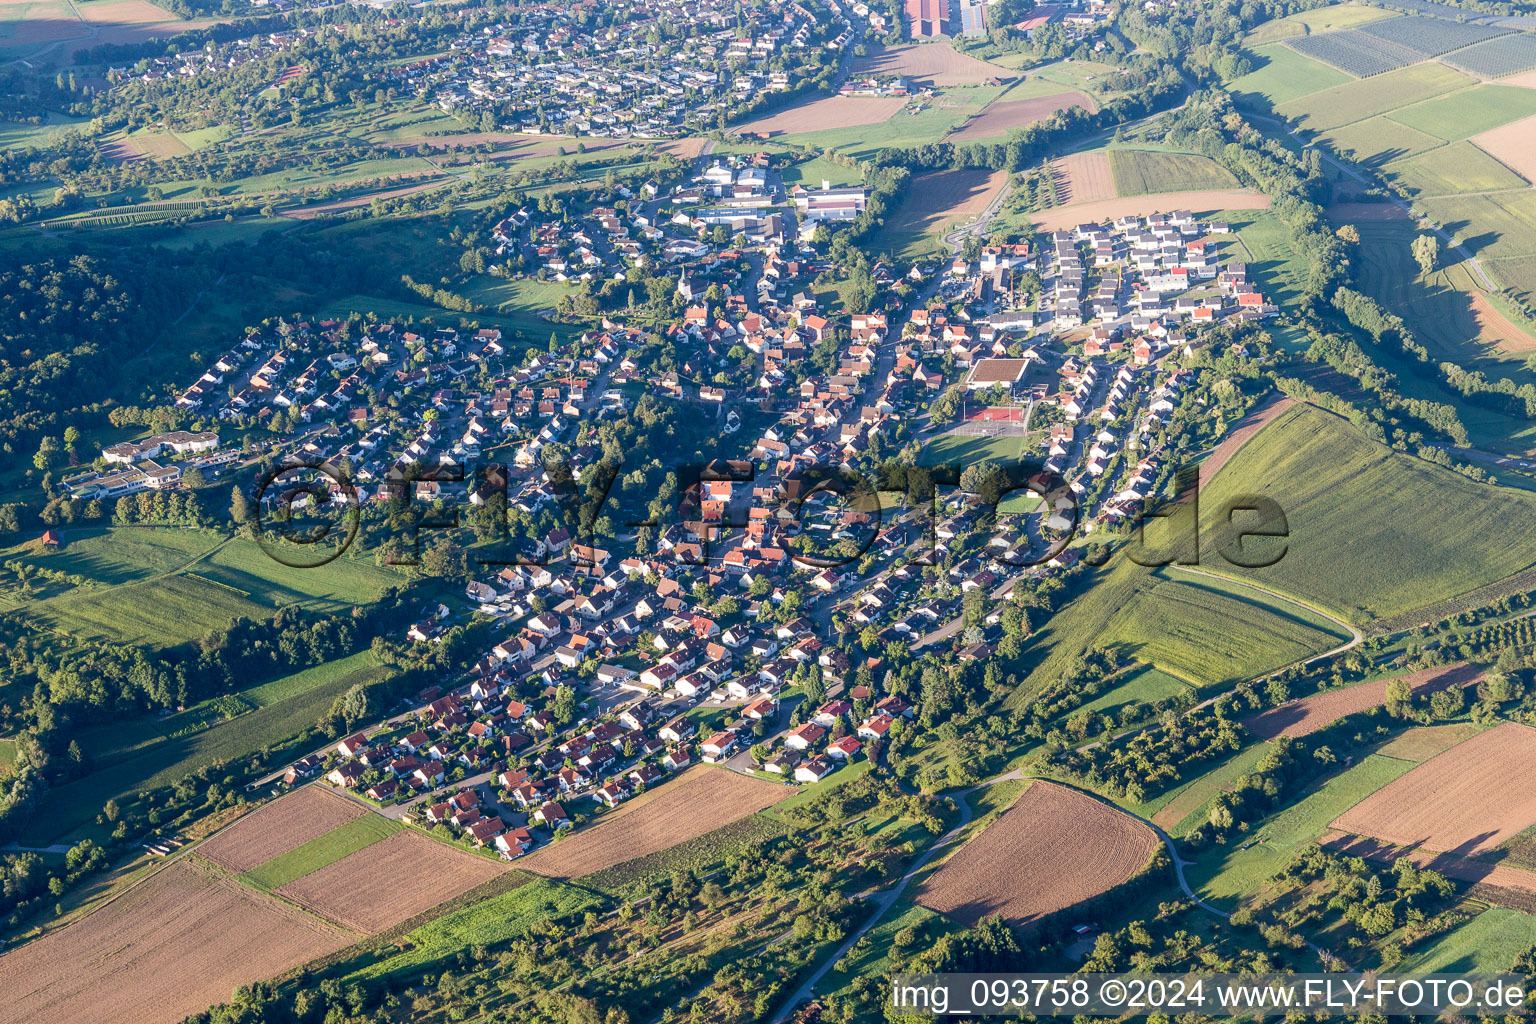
pixel 1252 424
pixel 1085 177
pixel 1425 741
pixel 285 824
pixel 1062 217
pixel 170 946
pixel 935 201
pixel 1053 848
pixel 1497 327
pixel 1513 145
pixel 930 64
pixel 1525 79
pixel 700 800
pixel 1308 715
pixel 1460 802
pixel 1463 869
pixel 1002 117
pixel 827 113
pixel 124 12
pixel 391 881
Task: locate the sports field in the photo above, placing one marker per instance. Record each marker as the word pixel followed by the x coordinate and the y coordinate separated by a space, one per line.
pixel 1357 513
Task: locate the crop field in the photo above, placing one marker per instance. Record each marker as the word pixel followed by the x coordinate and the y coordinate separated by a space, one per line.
pixel 1054 847
pixel 696 855
pixel 1423 742
pixel 1352 551
pixel 389 881
pixel 1142 172
pixel 1355 53
pixel 1355 101
pixel 1284 75
pixel 1308 715
pixel 283 825
pixel 1212 635
pixel 1204 202
pixel 1513 145
pixel 1431 37
pixel 1491 226
pixel 1460 801
pixel 936 64
pixel 168 947
pixel 1497 57
pixel 1002 116
pixel 827 112
pixel 340 842
pixel 697 802
pixel 1451 170
pixel 1230 445
pixel 1376 141
pixel 1228 872
pixel 1084 177
pixel 1469 112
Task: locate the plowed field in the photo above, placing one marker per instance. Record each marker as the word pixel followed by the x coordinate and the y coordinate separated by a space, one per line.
pixel 1465 801
pixel 1053 848
pixel 282 825
pixel 179 941
pixel 390 881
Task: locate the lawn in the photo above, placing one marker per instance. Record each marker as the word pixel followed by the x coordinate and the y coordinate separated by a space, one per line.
pixel 1265 245
pixel 144 753
pixel 1357 514
pixel 1450 170
pixel 320 851
pixel 1357 100
pixel 1228 873
pixel 1143 172
pixel 1283 75
pixel 1487 943
pixel 811 173
pixel 1212 636
pixel 1466 113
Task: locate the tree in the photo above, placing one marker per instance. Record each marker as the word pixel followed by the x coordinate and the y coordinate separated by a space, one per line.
pixel 1426 252
pixel 1349 233
pixel 239 506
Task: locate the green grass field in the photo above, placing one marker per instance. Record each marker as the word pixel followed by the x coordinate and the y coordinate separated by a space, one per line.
pixel 965 450
pixel 18 135
pixel 1323 19
pixel 1466 113
pixel 1144 684
pixel 1142 172
pixel 1265 245
pixel 1283 75
pixel 1196 629
pixel 1489 942
pixel 1450 170
pixel 499 919
pixel 320 851
pixel 1491 226
pixel 1228 873
pixel 1357 100
pixel 145 753
pixel 1373 533
pixel 1376 141
pixel 162 587
pixel 1517 272
pixel 1179 809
